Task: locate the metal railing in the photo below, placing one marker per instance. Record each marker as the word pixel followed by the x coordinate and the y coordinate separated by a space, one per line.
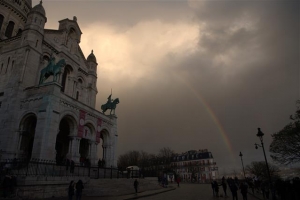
pixel 50 168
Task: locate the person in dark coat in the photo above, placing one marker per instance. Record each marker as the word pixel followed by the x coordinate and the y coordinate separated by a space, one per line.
pixel 71 190
pixel 224 186
pixel 136 184
pixel 79 188
pixel 234 188
pixel 244 190
pixel 216 185
pixel 213 188
pixel 178 181
pixel 7 182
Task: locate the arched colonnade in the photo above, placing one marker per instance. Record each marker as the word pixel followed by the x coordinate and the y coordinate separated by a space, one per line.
pixel 68 145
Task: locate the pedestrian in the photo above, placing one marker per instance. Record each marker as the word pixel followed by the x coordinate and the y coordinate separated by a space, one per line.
pixel 213 188
pixel 234 188
pixel 79 188
pixel 224 186
pixel 71 190
pixel 178 181
pixel 136 184
pixel 216 186
pixel 244 190
pixel 6 186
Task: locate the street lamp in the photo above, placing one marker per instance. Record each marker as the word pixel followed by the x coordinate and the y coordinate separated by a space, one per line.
pixel 260 135
pixel 241 155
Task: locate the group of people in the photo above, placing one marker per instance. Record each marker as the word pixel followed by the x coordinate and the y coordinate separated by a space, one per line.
pixel 234 186
pixel 9 184
pixel 75 189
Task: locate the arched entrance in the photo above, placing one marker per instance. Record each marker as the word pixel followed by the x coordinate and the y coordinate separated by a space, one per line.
pixel 27 132
pixel 84 151
pixel 103 143
pixel 62 141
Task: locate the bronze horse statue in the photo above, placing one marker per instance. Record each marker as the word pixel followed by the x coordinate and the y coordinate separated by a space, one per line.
pixel 52 69
pixel 110 105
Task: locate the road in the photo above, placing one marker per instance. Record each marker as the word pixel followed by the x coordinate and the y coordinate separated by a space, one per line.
pixel 184 192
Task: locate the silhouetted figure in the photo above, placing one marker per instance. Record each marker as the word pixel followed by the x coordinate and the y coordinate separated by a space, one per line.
pixel 6 186
pixel 71 190
pixel 136 184
pixel 213 188
pixel 244 190
pixel 178 181
pixel 216 186
pixel 224 186
pixel 79 188
pixel 234 188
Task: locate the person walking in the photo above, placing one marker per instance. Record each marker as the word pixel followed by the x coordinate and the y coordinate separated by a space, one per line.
pixel 71 190
pixel 224 186
pixel 178 181
pixel 234 188
pixel 244 190
pixel 79 188
pixel 216 185
pixel 136 184
pixel 213 188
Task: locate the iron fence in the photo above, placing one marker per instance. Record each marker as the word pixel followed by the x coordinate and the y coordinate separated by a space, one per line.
pixel 50 168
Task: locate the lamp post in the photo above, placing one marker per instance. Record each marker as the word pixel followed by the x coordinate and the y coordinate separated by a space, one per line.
pixel 260 135
pixel 241 155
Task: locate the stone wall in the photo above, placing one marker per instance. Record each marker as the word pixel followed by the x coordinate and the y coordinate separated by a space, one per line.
pixel 47 187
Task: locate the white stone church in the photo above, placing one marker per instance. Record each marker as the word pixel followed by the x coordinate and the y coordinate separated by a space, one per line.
pixel 47 110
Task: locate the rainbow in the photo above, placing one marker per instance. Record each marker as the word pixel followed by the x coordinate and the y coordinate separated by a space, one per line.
pixel 211 113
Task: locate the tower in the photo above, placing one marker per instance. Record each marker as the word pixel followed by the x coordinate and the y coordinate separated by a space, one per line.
pixel 92 76
pixel 13 16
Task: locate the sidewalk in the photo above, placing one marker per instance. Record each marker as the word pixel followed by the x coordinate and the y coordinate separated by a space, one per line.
pixel 125 197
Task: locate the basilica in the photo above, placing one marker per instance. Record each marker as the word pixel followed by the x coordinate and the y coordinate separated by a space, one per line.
pixel 48 91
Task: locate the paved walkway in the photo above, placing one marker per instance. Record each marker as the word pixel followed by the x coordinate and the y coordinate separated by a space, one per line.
pixel 184 192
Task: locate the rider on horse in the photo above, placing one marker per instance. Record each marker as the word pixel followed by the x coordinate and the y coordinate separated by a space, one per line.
pixel 109 100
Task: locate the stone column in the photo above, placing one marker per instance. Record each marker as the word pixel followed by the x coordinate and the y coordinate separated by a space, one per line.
pixel 75 149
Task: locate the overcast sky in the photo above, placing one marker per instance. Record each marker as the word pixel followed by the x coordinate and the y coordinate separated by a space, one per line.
pixel 192 74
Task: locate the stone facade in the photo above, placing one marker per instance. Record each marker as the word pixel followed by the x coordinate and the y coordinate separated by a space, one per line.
pixel 47 114
pixel 195 164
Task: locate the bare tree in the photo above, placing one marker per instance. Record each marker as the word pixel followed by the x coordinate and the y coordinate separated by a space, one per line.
pixel 166 154
pixel 259 169
pixel 128 159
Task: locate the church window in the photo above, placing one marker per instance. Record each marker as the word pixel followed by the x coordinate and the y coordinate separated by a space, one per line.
pixel 35 19
pixel 0 104
pixel 77 95
pixel 19 31
pixel 7 65
pixel 9 29
pixel 37 42
pixel 1 21
pixel 12 65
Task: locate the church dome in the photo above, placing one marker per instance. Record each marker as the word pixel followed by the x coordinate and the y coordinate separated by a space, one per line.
pixel 92 58
pixel 39 8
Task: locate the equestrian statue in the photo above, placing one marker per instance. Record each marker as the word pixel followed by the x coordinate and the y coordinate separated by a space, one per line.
pixel 110 104
pixel 52 69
